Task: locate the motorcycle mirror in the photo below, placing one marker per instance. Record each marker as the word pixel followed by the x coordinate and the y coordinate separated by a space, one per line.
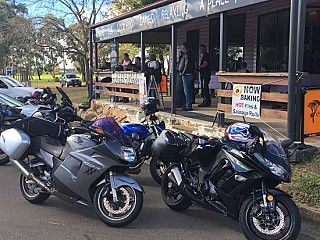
pixel 286 143
pixel 142 120
pixel 254 130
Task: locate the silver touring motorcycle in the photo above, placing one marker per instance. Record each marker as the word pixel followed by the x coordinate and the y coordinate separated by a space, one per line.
pixel 79 168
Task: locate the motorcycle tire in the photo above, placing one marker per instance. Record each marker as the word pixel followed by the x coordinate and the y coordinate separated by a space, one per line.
pixel 286 225
pixel 169 190
pixel 157 169
pixel 29 193
pixel 110 212
pixel 4 159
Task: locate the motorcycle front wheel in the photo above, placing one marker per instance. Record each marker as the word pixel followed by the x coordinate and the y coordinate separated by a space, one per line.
pixel 31 192
pixel 157 169
pixel 284 223
pixel 121 212
pixel 172 195
pixel 4 159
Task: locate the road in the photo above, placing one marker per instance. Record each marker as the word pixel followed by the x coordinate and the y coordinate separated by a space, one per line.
pixel 56 219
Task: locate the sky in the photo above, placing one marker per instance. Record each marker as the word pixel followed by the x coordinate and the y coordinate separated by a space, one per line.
pixel 39 8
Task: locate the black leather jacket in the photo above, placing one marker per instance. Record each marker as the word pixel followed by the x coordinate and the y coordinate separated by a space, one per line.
pixel 187 64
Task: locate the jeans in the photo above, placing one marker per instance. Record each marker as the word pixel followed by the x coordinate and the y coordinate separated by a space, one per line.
pixel 188 87
pixel 205 79
pixel 180 98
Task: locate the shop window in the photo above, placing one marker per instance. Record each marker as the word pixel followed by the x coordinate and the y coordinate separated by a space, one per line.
pixel 312 42
pixel 273 41
pixel 193 41
pixel 235 37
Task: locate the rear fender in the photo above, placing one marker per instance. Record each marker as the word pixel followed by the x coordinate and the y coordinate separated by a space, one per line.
pixel 123 180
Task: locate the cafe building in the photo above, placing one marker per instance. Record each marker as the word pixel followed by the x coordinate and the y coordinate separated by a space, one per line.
pixel 278 39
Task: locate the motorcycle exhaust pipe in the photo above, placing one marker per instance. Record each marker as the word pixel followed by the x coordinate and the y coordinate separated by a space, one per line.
pixel 175 176
pixel 26 171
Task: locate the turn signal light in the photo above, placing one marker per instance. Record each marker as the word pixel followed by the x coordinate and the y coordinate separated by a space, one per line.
pixel 270 198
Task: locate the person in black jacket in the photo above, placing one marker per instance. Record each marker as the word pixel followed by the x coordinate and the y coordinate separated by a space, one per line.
pixel 153 69
pixel 186 70
pixel 205 75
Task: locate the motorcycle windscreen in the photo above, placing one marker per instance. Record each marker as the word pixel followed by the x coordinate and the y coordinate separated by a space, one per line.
pixel 110 126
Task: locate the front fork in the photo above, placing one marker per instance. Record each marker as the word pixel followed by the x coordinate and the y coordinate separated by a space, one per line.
pixel 268 201
pixel 113 186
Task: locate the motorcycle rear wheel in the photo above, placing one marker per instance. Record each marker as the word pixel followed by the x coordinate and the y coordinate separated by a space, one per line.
pixel 157 169
pixel 4 159
pixel 121 213
pixel 172 195
pixel 31 192
pixel 284 224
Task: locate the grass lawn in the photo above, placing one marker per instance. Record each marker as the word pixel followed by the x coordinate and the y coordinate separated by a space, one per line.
pixel 76 94
pixel 305 186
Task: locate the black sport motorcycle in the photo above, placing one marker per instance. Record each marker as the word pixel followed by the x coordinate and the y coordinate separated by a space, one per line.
pixel 89 170
pixel 237 181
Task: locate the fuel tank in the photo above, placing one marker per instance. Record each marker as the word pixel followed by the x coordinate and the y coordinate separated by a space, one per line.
pixel 141 130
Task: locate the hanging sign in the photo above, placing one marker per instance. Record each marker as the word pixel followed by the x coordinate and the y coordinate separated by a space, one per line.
pixel 246 100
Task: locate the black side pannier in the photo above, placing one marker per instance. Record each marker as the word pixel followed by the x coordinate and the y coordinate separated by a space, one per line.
pixel 167 147
pixel 41 127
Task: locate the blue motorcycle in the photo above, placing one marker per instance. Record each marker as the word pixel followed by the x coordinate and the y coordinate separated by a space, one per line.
pixel 143 135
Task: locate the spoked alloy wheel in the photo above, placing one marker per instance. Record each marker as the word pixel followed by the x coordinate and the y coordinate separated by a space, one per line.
pixel 122 212
pixel 31 192
pixel 172 195
pixel 157 169
pixel 283 223
pixel 4 159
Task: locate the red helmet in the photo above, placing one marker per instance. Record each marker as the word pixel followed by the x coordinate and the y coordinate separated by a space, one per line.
pixel 36 94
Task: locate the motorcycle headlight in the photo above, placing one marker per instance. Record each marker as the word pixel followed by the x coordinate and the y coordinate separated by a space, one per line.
pixel 129 154
pixel 276 169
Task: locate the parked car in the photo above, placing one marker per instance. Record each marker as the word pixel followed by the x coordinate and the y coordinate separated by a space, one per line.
pixel 26 109
pixel 14 88
pixel 70 80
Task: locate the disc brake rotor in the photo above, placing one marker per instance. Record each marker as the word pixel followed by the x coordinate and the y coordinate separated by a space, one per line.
pixel 161 168
pixel 109 206
pixel 32 187
pixel 275 228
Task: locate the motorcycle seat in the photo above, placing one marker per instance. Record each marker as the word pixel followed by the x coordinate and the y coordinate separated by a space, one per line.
pixel 50 145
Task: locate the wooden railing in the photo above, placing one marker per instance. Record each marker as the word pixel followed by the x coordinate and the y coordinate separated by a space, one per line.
pixel 271 98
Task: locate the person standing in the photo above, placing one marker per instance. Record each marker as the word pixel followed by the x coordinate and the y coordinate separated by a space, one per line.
pixel 186 70
pixel 205 75
pixel 153 69
pixel 180 100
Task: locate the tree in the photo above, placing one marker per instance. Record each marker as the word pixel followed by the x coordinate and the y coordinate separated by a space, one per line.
pixel 123 6
pixel 69 23
pixel 15 31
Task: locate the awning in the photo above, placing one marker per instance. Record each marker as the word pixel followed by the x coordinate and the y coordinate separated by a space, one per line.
pixel 149 18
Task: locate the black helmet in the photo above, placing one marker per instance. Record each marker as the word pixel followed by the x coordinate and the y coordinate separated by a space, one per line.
pixel 149 105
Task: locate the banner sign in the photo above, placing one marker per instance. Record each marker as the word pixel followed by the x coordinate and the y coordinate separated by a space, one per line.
pixel 311 117
pixel 142 88
pixel 246 100
pixel 169 14
pixel 126 77
pixel 114 54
